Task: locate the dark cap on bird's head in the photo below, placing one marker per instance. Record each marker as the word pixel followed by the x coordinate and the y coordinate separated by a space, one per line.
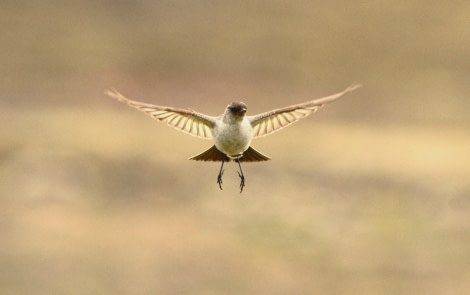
pixel 238 108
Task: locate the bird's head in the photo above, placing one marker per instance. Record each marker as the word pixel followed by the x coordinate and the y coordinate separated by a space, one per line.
pixel 237 108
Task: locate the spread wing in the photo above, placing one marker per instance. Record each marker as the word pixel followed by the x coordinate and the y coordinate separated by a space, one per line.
pixel 272 121
pixel 188 121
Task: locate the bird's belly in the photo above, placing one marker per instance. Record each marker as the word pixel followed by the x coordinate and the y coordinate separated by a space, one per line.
pixel 233 141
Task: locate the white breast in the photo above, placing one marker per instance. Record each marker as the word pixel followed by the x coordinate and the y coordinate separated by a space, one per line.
pixel 233 137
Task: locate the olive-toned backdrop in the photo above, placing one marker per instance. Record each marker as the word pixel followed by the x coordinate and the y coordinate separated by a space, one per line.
pixel 368 196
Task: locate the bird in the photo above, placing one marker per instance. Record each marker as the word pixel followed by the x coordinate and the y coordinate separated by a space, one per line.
pixel 233 131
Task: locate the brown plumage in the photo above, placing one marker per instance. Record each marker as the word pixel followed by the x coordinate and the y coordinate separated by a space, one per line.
pixel 232 131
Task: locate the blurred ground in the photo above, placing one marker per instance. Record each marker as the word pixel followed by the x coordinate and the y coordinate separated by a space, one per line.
pixel 368 196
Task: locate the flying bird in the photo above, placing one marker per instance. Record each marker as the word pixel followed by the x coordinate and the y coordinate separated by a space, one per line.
pixel 232 131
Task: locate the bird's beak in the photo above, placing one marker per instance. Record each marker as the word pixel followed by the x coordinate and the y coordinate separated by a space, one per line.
pixel 241 112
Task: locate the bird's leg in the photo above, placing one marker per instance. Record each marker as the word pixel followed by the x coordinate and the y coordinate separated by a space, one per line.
pixel 242 177
pixel 219 177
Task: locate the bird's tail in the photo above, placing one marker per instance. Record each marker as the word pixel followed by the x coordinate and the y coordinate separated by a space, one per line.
pixel 252 155
pixel 214 155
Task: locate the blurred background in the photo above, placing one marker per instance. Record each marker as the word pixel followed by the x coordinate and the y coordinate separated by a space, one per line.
pixel 368 196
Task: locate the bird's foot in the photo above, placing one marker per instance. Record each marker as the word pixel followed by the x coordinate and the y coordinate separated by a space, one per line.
pixel 242 181
pixel 219 178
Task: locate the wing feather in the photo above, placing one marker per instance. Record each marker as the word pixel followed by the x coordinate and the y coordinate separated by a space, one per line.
pixel 188 121
pixel 272 121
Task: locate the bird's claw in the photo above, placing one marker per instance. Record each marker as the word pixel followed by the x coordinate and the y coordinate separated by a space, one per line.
pixel 219 179
pixel 242 181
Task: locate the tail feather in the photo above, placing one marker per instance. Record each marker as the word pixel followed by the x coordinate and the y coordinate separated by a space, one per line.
pixel 214 155
pixel 252 155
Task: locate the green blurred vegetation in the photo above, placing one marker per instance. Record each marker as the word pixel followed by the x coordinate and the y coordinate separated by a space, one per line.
pixel 368 196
